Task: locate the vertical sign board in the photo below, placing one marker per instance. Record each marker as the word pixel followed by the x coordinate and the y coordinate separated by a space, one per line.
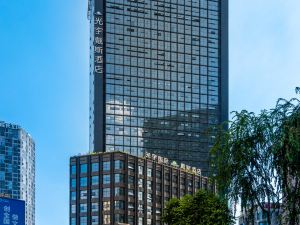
pixel 98 43
pixel 12 212
pixel 99 79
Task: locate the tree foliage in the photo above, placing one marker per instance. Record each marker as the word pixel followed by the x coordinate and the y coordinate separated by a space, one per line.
pixel 257 160
pixel 202 209
pixel 286 153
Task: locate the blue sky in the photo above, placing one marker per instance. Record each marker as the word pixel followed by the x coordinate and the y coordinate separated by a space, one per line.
pixel 44 53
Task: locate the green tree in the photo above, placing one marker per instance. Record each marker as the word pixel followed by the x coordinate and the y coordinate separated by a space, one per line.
pixel 257 160
pixel 286 153
pixel 202 209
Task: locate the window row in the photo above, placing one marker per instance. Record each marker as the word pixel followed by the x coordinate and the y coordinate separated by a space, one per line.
pixel 149 113
pixel 106 166
pixel 133 70
pixel 168 3
pixel 106 179
pixel 145 9
pixel 144 45
pixel 177 120
pixel 163 14
pixel 165 55
pixel 161 79
pixel 155 26
pixel 146 99
pixel 158 89
pixel 157 142
pixel 106 193
pixel 179 2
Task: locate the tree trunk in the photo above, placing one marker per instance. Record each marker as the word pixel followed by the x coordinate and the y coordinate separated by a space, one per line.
pixel 293 215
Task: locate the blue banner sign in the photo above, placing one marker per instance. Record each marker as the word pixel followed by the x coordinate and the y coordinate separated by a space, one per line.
pixel 12 212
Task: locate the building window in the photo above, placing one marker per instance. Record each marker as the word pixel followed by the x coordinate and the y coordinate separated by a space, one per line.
pixel 73 196
pixel 158 187
pixel 140 196
pixel 95 180
pixel 106 206
pixel 95 167
pixel 83 220
pixel 158 174
pixel 2 175
pixel 141 183
pixel 131 180
pixel 73 209
pixel 106 219
pixel 130 192
pixel 174 177
pixel 73 170
pixel 106 166
pixel 83 195
pixel 83 182
pixel 95 194
pixel 120 218
pixel 131 166
pixel 83 208
pixel 149 184
pixel 141 221
pixel 167 176
pixel 106 179
pixel 149 172
pixel 119 191
pixel 73 183
pixel 73 221
pixel 141 208
pixel 106 192
pixel 149 198
pixel 95 220
pixel 149 221
pixel 141 170
pixel 158 211
pixel 119 178
pixel 131 220
pixel 83 168
pixel 95 207
pixel 167 188
pixel 119 165
pixel 119 205
pixel 131 206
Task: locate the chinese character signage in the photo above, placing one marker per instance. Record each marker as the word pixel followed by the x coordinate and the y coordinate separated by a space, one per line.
pixel 174 164
pixel 12 212
pixel 98 43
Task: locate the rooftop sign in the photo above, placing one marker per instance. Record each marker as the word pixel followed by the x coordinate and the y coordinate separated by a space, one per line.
pixel 166 161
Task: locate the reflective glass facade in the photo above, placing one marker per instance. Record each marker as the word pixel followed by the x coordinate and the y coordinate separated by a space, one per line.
pixel 17 167
pixel 164 81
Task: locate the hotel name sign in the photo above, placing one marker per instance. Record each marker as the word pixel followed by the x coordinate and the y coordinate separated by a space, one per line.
pixel 98 43
pixel 166 161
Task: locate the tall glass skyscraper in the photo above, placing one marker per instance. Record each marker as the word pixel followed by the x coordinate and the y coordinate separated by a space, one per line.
pixel 17 167
pixel 158 76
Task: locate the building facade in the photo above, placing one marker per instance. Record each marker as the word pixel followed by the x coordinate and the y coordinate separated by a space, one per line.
pixel 115 187
pixel 260 217
pixel 17 167
pixel 158 76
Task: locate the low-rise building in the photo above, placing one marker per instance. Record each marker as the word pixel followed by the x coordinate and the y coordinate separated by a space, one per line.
pixel 115 187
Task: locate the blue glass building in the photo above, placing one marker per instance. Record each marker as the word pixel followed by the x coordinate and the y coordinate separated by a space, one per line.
pixel 17 167
pixel 158 76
